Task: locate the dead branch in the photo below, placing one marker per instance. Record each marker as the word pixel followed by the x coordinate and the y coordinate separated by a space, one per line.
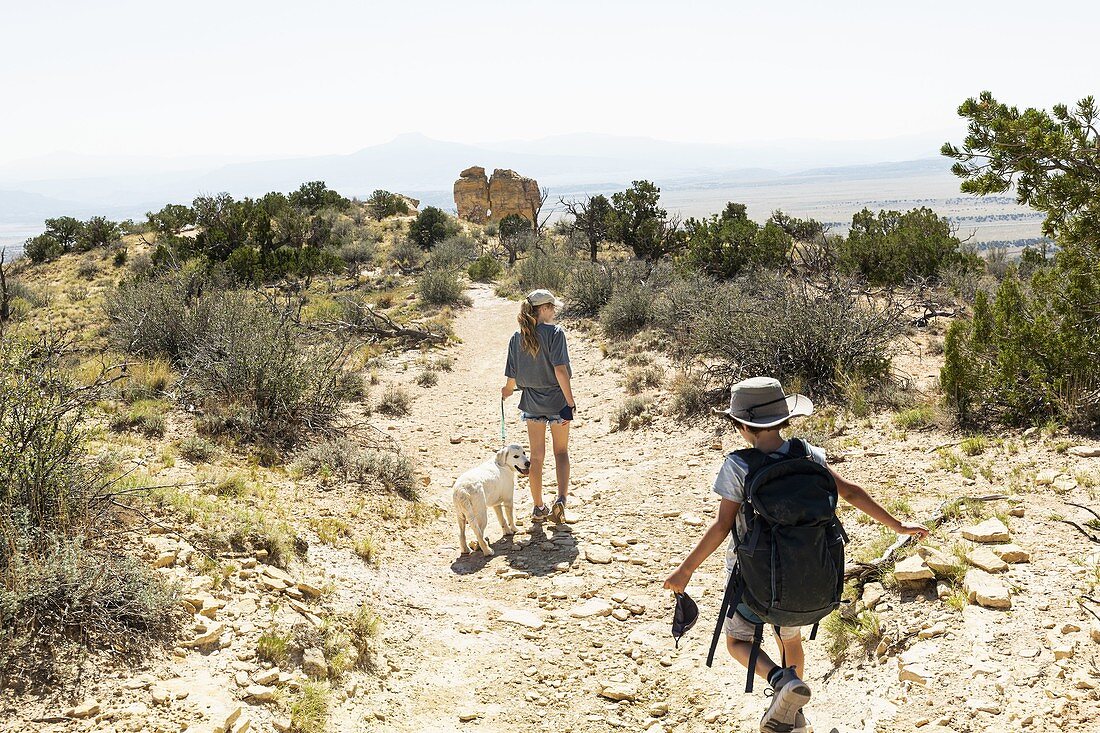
pixel 1091 537
pixel 377 325
pixel 864 571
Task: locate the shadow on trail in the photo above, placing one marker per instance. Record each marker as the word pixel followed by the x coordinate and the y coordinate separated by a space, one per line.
pixel 550 545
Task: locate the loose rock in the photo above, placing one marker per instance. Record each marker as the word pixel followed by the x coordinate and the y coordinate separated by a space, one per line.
pixel 991 530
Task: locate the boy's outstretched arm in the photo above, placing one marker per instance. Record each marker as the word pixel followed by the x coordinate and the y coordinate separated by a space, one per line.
pixel 711 540
pixel 858 497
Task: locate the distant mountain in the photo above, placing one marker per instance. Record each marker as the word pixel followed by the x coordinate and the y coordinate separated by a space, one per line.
pixel 426 168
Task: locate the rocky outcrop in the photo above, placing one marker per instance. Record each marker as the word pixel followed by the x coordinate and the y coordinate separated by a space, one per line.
pixel 511 193
pixel 481 200
pixel 472 195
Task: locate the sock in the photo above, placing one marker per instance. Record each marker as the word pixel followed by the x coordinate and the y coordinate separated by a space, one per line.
pixel 774 675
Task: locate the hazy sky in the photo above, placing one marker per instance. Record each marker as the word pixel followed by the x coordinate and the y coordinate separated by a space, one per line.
pixel 282 78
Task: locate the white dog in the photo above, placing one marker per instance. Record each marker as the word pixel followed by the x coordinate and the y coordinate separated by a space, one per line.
pixel 490 484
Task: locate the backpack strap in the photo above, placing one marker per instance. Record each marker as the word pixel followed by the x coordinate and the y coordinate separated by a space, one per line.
pixel 734 589
pixel 757 638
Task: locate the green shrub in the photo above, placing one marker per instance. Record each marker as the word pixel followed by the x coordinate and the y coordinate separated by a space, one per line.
pixel 724 246
pixel 628 311
pixel 357 255
pixel 485 269
pixel 916 418
pixel 144 416
pixel 345 461
pixel 431 226
pixel 383 204
pixel 309 713
pixel 251 368
pixel 542 270
pixel 688 395
pixel 642 378
pixel 1029 353
pixel 273 647
pixel 453 253
pixel 441 287
pixel 64 590
pixel 823 338
pixel 68 599
pixel 589 288
pixel 633 413
pixel 406 255
pixel 42 248
pixel 196 449
pixel 892 248
pixel 427 378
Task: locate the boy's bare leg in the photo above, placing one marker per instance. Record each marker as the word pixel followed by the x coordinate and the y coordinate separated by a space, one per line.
pixel 793 655
pixel 740 651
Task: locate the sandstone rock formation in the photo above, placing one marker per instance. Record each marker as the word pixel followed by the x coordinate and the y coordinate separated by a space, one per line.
pixel 472 195
pixel 480 199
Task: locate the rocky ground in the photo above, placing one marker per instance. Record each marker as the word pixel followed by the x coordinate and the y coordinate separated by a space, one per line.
pixel 566 628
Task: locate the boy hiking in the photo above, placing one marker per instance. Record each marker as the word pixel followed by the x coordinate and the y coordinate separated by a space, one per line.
pixel 785 560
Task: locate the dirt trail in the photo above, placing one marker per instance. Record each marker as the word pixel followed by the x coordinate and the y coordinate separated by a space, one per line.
pixel 640 499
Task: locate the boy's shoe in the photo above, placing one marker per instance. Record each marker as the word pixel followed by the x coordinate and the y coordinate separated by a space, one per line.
pixel 789 695
pixel 801 725
pixel 540 513
pixel 557 511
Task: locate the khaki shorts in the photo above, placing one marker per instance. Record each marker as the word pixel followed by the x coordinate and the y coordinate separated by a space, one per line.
pixel 742 629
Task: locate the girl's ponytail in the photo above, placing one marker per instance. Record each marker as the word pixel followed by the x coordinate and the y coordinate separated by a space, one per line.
pixel 528 320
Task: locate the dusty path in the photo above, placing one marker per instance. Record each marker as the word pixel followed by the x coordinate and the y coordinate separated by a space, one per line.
pixel 640 500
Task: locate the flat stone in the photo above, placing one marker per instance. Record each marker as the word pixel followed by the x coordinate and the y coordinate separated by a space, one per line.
pixel 591 607
pixel 1046 476
pixel 986 559
pixel 206 634
pixel 872 594
pixel 1065 482
pixel 1017 511
pixel 617 691
pixel 597 555
pixel 166 559
pixel 1011 553
pixel 913 570
pixel 936 629
pixel 692 520
pixel 273 583
pixel 266 677
pixel 281 723
pixel 621 614
pixel 314 664
pixel 992 530
pixel 311 590
pixel 985 706
pixel 528 619
pixel 467 715
pixel 914 673
pixel 1085 451
pixel 984 590
pixel 260 693
pixel 941 563
pixel 86 709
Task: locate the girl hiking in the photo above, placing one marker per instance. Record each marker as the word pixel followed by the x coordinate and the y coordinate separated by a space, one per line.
pixel 538 364
pixel 770 523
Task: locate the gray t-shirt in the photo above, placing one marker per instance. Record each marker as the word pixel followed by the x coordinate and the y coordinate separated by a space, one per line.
pixel 535 374
pixel 730 484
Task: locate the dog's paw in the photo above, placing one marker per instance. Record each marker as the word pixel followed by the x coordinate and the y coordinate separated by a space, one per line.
pixel 487 551
pixel 509 532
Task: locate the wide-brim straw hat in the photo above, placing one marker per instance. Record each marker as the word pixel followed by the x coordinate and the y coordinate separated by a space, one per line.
pixel 760 402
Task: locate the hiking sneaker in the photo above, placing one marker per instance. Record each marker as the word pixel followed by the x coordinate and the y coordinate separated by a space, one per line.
pixel 540 513
pixel 801 725
pixel 789 695
pixel 557 511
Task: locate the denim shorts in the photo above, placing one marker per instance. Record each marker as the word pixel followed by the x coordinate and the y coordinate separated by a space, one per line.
pixel 548 419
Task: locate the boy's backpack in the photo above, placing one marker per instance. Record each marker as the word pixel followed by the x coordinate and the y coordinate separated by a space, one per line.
pixel 790 560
